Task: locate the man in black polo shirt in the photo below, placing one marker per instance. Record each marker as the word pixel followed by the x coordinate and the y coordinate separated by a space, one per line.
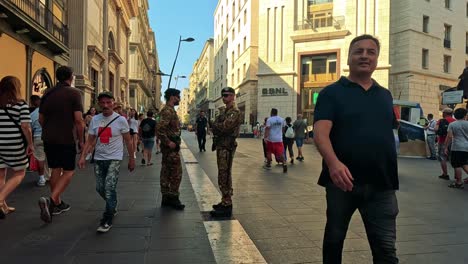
pixel 353 131
pixel 200 130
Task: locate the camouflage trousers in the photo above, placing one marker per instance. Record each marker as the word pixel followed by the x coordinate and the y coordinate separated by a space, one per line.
pixel 224 158
pixel 171 172
pixel 107 176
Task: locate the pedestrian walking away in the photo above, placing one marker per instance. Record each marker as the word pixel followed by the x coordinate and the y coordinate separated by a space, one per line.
pixel 225 131
pixel 300 133
pixel 441 129
pixel 15 139
pixel 457 139
pixel 168 131
pixel 61 118
pixel 288 140
pixel 201 126
pixel 274 139
pixel 106 134
pixel 431 136
pixel 39 154
pixel 359 156
pixel 147 133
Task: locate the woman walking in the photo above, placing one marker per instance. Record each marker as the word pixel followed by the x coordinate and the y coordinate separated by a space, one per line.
pixel 133 124
pixel 15 139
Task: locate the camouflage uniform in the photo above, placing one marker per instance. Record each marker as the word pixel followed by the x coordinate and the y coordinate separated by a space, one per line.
pixel 168 130
pixel 225 130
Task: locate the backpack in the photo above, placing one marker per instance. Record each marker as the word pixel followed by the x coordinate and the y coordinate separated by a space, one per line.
pixel 443 127
pixel 289 132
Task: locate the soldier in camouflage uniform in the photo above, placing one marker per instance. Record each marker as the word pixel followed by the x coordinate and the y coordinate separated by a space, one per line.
pixel 168 132
pixel 225 131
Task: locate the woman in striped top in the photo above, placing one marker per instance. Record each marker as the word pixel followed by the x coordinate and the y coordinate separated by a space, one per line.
pixel 15 139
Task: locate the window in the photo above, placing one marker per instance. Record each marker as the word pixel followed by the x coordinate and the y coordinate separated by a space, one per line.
pixel 238 26
pixel 245 43
pixel 94 77
pixel 232 79
pixel 321 19
pixel 244 71
pixel 238 50
pixel 425 59
pixel 238 75
pixel 447 62
pixel 232 60
pixel 466 43
pixel 448 4
pixel 245 16
pixel 233 11
pixel 447 35
pixel 467 9
pixel 233 33
pixel 425 24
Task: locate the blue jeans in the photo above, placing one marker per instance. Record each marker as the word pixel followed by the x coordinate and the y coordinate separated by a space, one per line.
pixel 378 210
pixel 107 176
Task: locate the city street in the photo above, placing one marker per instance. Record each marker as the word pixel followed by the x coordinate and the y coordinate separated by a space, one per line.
pixel 278 218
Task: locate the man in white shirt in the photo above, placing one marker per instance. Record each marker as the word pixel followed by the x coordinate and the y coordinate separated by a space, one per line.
pixel 431 136
pixel 274 139
pixel 105 134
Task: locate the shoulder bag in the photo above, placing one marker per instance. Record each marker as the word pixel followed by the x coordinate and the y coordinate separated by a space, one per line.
pixel 98 135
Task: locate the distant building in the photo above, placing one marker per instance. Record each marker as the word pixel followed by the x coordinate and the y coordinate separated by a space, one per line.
pixel 183 109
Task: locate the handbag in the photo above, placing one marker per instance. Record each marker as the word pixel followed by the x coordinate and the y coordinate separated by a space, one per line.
pixel 98 135
pixel 17 125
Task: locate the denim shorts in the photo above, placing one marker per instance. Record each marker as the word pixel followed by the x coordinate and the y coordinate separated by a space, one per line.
pixel 299 142
pixel 148 143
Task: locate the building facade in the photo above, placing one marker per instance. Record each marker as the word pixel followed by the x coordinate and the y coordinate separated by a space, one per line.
pixel 236 28
pixel 143 63
pixel 203 77
pixel 428 49
pixel 183 109
pixel 304 47
pixel 99 47
pixel 33 42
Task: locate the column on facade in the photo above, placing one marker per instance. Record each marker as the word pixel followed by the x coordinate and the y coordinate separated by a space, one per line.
pixel 105 44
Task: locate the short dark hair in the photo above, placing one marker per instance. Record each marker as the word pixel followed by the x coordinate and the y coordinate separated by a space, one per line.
pixel 34 98
pixel 274 111
pixel 460 113
pixel 149 113
pixel 430 116
pixel 363 37
pixel 288 120
pixel 64 73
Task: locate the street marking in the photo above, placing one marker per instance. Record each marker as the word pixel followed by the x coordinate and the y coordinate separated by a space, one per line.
pixel 229 241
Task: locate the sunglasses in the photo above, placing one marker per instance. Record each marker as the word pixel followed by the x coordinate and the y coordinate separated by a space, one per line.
pixel 226 95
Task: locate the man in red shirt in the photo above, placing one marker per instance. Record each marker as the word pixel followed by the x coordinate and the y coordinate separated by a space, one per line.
pixel 441 129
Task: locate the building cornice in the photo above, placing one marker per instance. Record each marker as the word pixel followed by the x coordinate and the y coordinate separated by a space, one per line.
pixel 309 37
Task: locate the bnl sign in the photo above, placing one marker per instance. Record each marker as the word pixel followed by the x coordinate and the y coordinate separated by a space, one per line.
pixel 274 92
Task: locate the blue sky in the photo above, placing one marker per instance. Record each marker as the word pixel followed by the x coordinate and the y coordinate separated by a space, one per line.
pixel 170 19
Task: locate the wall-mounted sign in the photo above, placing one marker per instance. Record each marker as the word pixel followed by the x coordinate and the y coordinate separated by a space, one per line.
pixel 454 97
pixel 274 92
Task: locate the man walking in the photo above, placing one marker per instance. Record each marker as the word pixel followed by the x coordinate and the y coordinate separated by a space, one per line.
pixel 359 157
pixel 300 127
pixel 441 129
pixel 61 116
pixel 105 134
pixel 274 139
pixel 147 133
pixel 168 131
pixel 200 130
pixel 225 131
pixel 39 154
pixel 457 138
pixel 431 136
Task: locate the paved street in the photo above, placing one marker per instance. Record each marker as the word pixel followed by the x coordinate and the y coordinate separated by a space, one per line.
pixel 278 218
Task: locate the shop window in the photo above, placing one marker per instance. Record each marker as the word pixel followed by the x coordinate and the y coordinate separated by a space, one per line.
pixel 41 82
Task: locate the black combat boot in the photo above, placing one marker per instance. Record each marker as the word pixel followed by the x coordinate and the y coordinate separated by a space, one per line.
pixel 165 201
pixel 221 210
pixel 176 204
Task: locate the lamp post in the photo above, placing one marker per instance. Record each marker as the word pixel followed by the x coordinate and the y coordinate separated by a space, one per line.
pixel 175 60
pixel 177 79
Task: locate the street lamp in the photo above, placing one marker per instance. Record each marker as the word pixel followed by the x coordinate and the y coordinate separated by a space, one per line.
pixel 177 79
pixel 175 60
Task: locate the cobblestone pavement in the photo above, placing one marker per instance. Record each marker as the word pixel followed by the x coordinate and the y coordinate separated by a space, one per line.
pixel 281 216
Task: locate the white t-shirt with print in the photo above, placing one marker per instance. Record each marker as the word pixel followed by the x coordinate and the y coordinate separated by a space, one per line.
pixel 109 145
pixel 276 124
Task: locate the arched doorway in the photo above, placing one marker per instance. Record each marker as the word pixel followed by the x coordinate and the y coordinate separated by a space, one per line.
pixel 41 81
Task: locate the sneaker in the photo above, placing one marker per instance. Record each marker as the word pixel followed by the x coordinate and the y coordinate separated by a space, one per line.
pixel 143 161
pixel 285 168
pixel 221 206
pixel 45 206
pixel 62 207
pixel 223 211
pixel 41 182
pixel 104 227
pixel 444 177
pixel 177 204
pixel 292 161
pixel 267 166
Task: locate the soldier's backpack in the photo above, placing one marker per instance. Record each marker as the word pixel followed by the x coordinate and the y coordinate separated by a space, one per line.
pixel 443 127
pixel 289 132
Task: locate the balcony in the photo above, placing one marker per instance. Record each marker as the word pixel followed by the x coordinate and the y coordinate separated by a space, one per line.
pixel 318 79
pixel 325 23
pixel 38 21
pixel 317 2
pixel 447 43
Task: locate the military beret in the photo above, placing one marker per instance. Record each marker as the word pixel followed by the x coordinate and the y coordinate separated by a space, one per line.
pixel 171 92
pixel 105 94
pixel 228 90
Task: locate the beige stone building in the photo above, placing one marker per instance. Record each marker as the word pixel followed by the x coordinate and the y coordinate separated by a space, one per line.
pixel 99 41
pixel 303 47
pixel 183 109
pixel 145 85
pixel 202 78
pixel 428 49
pixel 236 45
